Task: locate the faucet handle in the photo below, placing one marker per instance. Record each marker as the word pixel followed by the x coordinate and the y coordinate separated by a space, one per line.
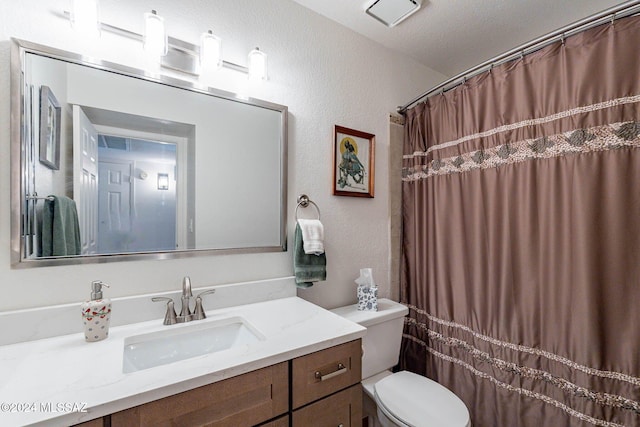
pixel 198 312
pixel 210 291
pixel 170 315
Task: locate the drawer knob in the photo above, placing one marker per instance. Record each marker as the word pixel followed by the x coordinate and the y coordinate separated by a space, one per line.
pixel 339 371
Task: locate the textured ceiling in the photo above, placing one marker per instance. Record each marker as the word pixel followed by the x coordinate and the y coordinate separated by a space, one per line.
pixel 450 36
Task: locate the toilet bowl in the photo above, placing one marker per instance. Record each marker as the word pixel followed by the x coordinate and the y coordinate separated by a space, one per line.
pixel 401 399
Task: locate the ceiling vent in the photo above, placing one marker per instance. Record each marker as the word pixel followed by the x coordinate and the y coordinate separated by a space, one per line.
pixel 392 12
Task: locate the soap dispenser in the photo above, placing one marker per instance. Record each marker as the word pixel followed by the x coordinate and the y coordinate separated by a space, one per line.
pixel 96 314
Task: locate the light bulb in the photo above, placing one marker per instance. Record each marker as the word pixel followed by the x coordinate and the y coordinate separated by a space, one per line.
pixel 85 18
pixel 257 65
pixel 210 52
pixel 155 36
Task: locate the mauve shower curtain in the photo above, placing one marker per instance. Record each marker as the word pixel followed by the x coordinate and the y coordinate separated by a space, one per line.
pixel 521 241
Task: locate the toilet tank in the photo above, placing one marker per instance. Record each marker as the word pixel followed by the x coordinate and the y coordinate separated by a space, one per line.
pixel 381 344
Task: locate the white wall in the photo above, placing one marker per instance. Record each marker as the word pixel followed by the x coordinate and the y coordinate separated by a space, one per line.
pixel 323 72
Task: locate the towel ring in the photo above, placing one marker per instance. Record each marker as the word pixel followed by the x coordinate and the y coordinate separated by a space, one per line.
pixel 304 201
pixel 36 197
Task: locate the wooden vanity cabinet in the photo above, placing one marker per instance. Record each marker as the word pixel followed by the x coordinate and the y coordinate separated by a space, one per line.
pixel 324 387
pixel 340 409
pixel 244 400
pixel 280 422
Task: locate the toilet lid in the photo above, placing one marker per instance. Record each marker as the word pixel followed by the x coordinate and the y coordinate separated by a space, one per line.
pixel 418 401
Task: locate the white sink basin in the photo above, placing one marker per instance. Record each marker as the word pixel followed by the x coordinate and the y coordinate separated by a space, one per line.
pixel 184 341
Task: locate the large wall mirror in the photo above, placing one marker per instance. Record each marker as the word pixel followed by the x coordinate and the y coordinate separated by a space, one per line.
pixel 111 164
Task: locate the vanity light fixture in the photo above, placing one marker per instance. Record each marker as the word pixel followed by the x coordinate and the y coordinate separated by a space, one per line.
pixel 84 17
pixel 163 181
pixel 210 52
pixel 257 65
pixel 171 53
pixel 155 37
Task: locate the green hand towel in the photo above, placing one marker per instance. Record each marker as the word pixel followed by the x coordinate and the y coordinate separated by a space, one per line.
pixel 308 268
pixel 60 229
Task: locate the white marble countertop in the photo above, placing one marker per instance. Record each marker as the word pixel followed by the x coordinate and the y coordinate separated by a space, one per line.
pixel 64 380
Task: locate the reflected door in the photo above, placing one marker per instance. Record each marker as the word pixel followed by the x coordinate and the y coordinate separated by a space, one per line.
pixel 85 179
pixel 114 207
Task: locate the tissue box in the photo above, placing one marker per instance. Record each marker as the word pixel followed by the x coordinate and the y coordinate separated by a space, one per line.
pixel 367 298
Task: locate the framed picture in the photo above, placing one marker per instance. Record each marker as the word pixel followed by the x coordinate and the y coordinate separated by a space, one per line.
pixel 353 162
pixel 50 116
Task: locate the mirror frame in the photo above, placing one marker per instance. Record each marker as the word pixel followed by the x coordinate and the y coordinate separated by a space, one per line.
pixel 19 49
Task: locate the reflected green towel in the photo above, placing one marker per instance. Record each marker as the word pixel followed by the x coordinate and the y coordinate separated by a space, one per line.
pixel 60 229
pixel 308 268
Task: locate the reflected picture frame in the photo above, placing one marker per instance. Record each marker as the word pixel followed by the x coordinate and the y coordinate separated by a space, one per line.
pixel 353 162
pixel 50 117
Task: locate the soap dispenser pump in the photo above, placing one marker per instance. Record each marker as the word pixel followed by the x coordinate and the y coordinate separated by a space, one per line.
pixel 96 314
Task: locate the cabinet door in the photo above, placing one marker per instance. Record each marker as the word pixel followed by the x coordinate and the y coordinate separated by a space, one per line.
pixel 341 409
pixel 322 373
pixel 245 400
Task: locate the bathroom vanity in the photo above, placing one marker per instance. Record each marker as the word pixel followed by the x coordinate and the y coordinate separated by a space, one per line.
pixel 325 390
pixel 305 364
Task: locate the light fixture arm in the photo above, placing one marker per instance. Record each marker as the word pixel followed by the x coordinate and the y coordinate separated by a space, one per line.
pixel 181 56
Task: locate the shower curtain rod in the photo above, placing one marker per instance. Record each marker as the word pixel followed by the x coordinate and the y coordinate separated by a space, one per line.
pixel 616 12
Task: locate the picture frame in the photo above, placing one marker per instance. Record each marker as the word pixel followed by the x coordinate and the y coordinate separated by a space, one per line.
pixel 353 162
pixel 50 117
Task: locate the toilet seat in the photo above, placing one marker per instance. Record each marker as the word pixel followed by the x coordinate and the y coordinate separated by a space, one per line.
pixel 410 400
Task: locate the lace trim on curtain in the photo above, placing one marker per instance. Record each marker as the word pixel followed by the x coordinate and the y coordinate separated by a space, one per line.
pixel 604 399
pixel 525 349
pixel 521 391
pixel 599 138
pixel 530 122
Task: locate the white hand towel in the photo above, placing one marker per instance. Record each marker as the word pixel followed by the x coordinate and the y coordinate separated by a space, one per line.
pixel 312 236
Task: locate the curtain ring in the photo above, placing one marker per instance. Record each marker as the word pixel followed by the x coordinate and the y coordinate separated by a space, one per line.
pixel 562 39
pixel 522 55
pixel 613 18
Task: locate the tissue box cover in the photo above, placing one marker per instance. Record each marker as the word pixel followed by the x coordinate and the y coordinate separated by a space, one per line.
pixel 367 298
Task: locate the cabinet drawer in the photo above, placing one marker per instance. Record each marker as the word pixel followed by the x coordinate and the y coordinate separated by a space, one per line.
pixel 322 373
pixel 341 409
pixel 245 400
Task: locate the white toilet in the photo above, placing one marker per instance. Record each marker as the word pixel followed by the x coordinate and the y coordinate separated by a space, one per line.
pixel 402 399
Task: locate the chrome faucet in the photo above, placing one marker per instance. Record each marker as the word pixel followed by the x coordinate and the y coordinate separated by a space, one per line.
pixel 185 312
pixel 186 315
